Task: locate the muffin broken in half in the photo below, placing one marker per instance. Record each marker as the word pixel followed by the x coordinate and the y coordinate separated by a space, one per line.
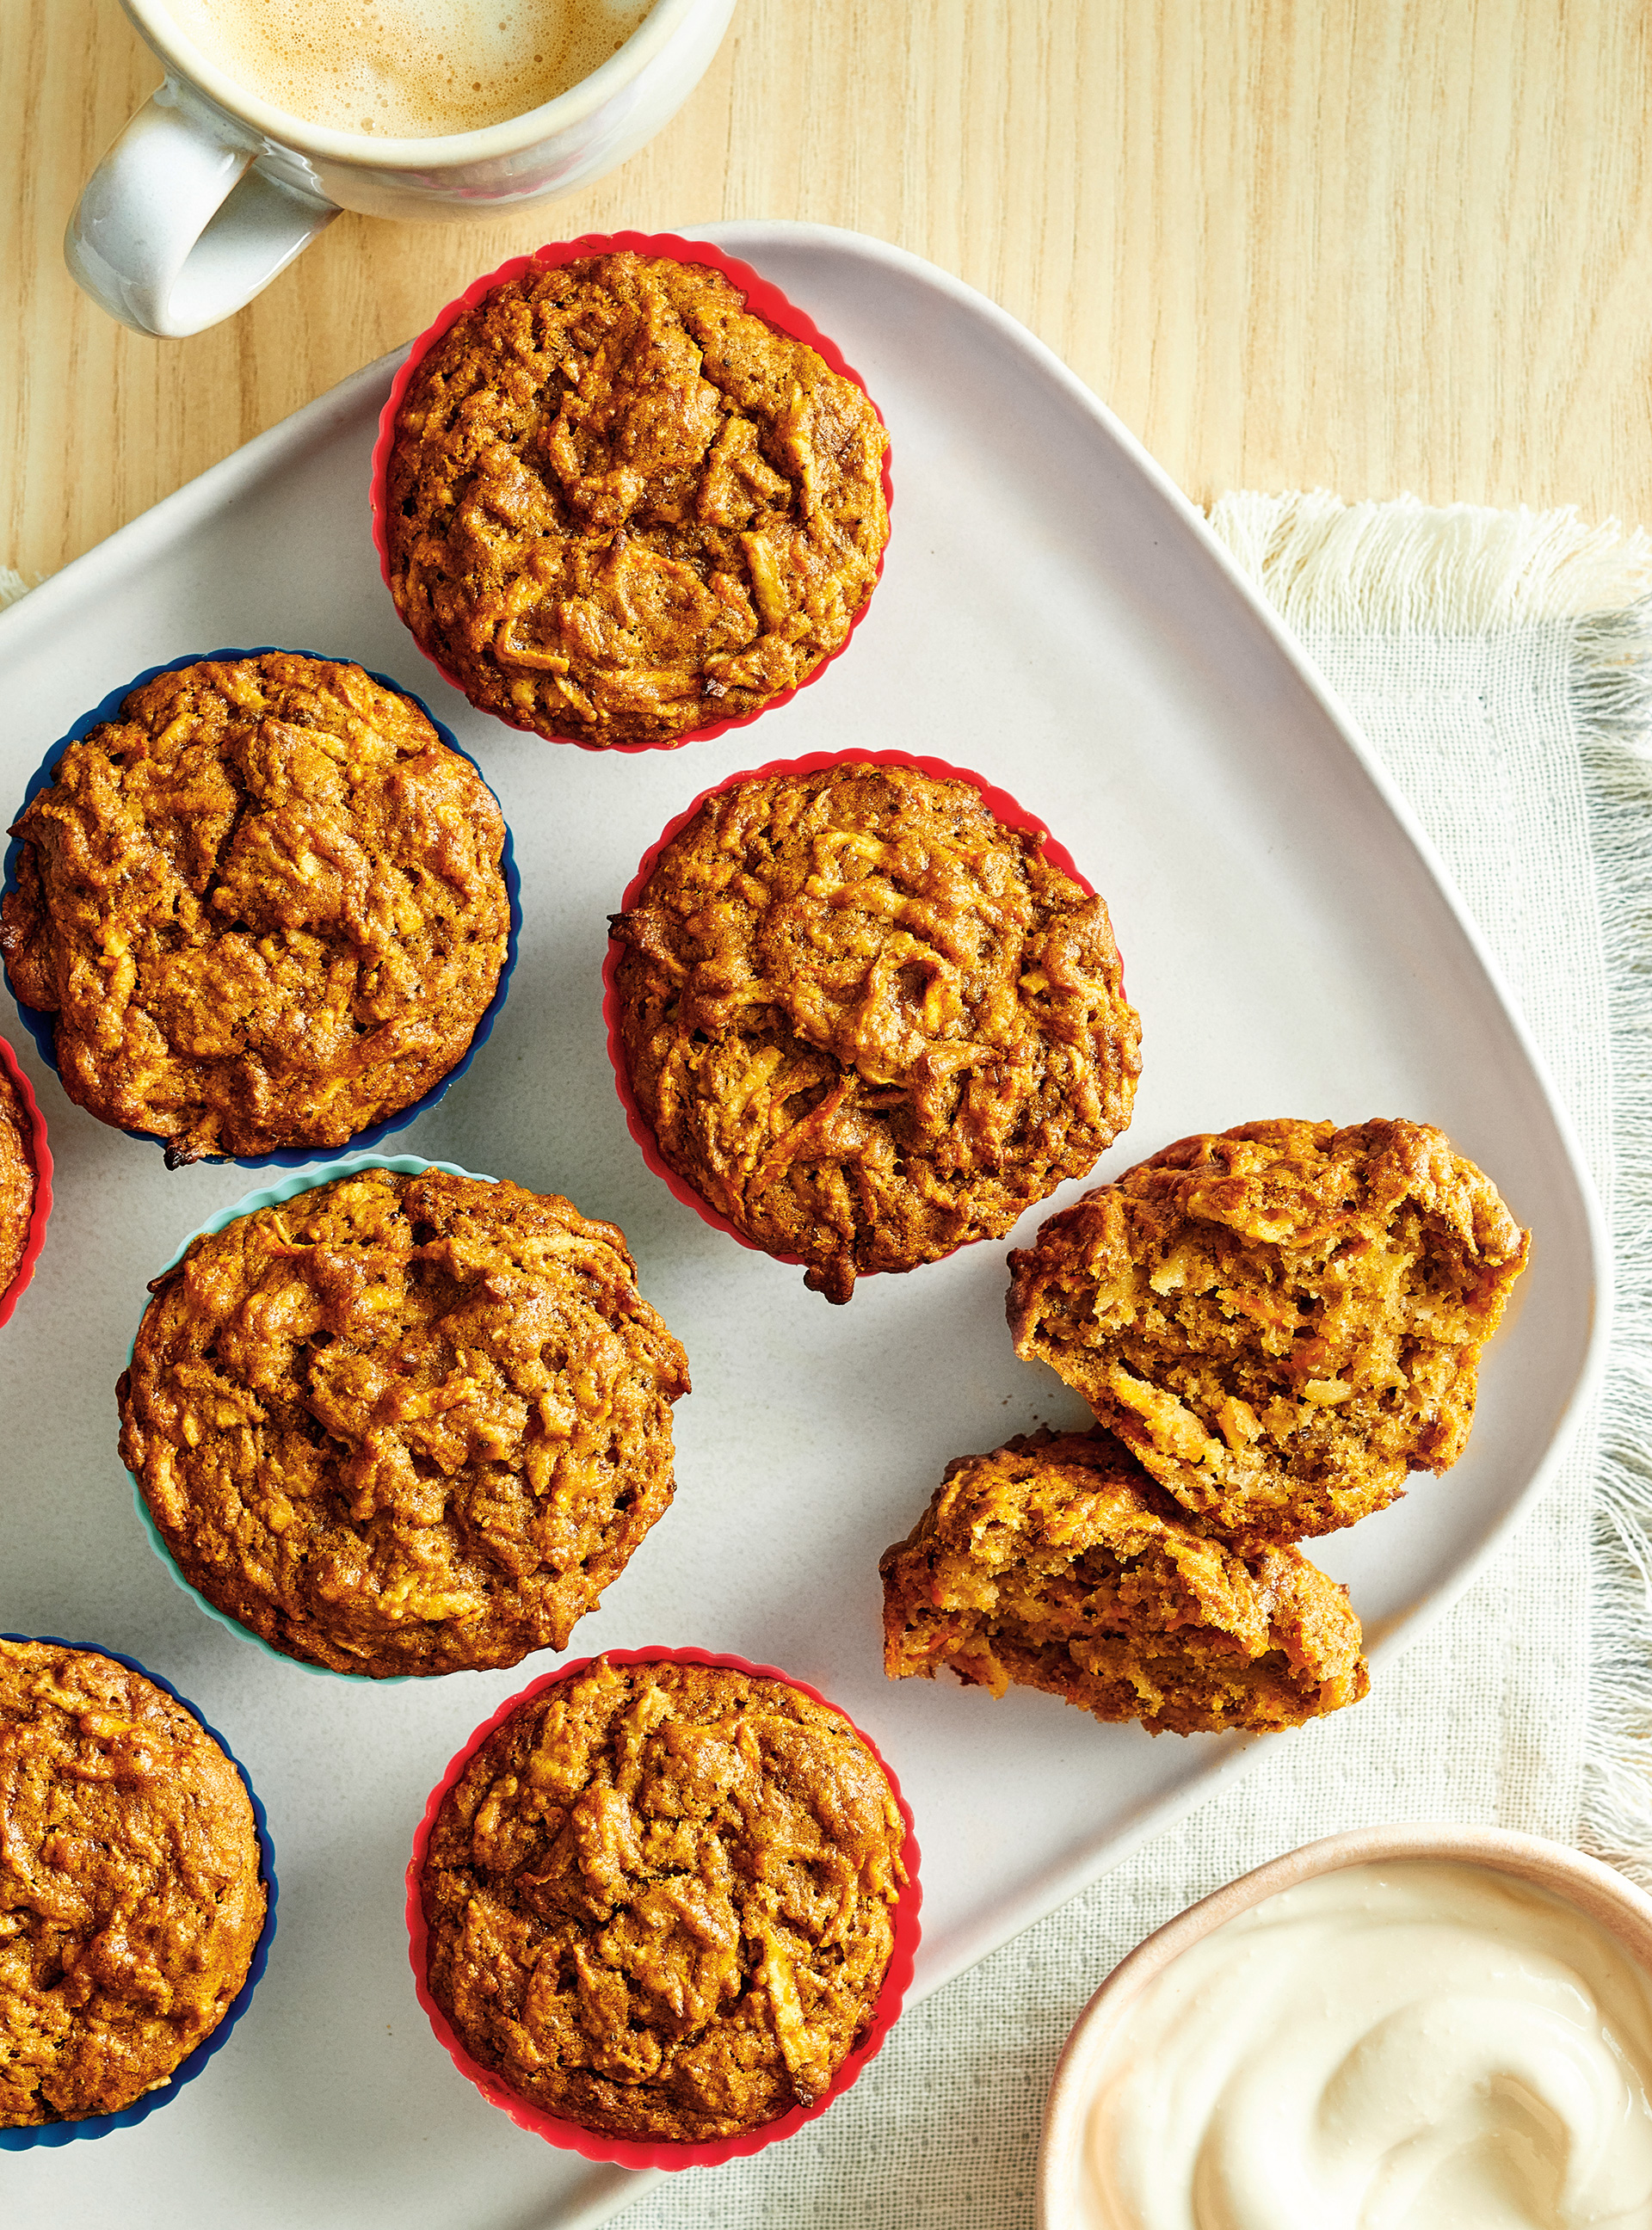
pixel 1055 1562
pixel 1281 1321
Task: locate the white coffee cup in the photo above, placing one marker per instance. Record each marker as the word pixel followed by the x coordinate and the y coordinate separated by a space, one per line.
pixel 210 192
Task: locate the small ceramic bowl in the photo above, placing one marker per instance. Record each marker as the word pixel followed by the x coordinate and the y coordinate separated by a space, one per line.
pixel 100 2125
pixel 628 2152
pixel 40 1026
pixel 267 1196
pixel 762 298
pixel 1000 805
pixel 40 1154
pixel 1599 1892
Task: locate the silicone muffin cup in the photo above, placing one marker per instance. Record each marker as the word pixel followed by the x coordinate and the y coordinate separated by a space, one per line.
pixel 40 1154
pixel 630 2152
pixel 267 1196
pixel 100 2125
pixel 762 298
pixel 39 1024
pixel 999 802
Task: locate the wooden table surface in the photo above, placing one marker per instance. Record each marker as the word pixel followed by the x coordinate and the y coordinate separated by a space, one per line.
pixel 1369 245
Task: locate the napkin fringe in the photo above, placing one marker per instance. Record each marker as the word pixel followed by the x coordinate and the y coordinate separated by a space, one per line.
pixel 1412 568
pixel 1408 568
pixel 1612 700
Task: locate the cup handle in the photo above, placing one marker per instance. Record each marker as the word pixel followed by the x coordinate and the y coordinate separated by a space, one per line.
pixel 178 226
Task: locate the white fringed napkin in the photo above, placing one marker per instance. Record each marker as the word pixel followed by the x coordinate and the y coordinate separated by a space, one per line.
pixel 1501 663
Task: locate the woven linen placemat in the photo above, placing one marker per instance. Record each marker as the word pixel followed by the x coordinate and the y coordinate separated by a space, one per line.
pixel 1500 664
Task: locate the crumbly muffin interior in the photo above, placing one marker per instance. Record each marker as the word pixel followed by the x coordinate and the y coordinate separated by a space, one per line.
pixel 403 1424
pixel 1279 1321
pixel 130 1901
pixel 620 505
pixel 867 1021
pixel 264 906
pixel 660 1899
pixel 1057 1563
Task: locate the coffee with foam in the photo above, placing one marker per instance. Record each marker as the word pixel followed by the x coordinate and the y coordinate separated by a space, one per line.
pixel 408 69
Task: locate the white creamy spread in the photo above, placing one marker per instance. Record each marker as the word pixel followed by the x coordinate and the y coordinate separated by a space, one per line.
pixel 1423 2046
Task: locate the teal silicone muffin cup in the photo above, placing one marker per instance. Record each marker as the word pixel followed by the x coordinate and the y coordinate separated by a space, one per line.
pixel 287 1188
pixel 26 2137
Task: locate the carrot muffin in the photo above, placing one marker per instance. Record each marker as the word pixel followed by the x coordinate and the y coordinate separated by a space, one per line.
pixel 619 506
pixel 130 1902
pixel 16 1180
pixel 1057 1563
pixel 265 907
pixel 1279 1321
pixel 660 1899
pixel 867 1021
pixel 403 1424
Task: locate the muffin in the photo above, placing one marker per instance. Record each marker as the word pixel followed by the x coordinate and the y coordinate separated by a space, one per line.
pixel 618 506
pixel 1057 1563
pixel 130 1901
pixel 265 907
pixel 866 1021
pixel 17 1180
pixel 1279 1321
pixel 660 1899
pixel 403 1424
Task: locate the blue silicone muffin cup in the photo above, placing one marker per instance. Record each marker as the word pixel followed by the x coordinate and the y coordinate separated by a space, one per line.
pixel 287 1189
pixel 100 2125
pixel 38 1025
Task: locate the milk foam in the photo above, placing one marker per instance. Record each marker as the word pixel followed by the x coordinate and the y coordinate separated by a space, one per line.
pixel 407 69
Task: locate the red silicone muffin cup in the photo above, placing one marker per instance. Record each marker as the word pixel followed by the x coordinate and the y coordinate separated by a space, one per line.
pixel 762 298
pixel 40 1154
pixel 630 2152
pixel 1000 805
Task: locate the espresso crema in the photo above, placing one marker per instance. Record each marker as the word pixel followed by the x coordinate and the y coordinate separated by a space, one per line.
pixel 412 69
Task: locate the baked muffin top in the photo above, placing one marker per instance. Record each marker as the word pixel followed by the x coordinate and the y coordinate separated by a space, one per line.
pixel 264 906
pixel 1279 1320
pixel 16 1180
pixel 1057 1562
pixel 660 1899
pixel 867 1021
pixel 130 1901
pixel 403 1424
pixel 620 506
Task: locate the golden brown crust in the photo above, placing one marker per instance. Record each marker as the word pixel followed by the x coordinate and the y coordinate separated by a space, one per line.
pixel 16 1180
pixel 403 1424
pixel 130 1901
pixel 1280 1320
pixel 620 506
pixel 1057 1563
pixel 660 1899
pixel 867 1021
pixel 264 906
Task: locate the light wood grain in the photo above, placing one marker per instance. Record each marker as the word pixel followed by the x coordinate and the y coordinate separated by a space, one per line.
pixel 1372 245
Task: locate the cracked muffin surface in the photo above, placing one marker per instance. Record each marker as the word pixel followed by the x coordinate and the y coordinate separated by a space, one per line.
pixel 660 1899
pixel 867 1021
pixel 131 1898
pixel 264 907
pixel 1057 1562
pixel 403 1424
pixel 1281 1320
pixel 619 506
pixel 17 1179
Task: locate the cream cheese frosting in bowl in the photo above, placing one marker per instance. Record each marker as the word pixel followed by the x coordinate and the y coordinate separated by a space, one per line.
pixel 1421 2028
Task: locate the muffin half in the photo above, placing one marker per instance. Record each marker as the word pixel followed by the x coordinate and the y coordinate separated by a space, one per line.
pixel 1281 1320
pixel 1055 1562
